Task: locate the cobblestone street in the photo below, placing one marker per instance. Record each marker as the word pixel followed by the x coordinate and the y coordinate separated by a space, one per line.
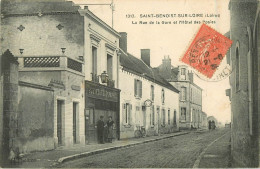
pixel 178 152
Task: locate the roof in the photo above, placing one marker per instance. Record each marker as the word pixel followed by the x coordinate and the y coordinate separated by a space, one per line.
pixel 35 6
pixel 137 66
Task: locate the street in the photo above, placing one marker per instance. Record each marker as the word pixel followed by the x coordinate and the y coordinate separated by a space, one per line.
pixel 176 152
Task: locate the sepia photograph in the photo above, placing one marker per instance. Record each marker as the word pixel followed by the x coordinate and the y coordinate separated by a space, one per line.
pixel 130 84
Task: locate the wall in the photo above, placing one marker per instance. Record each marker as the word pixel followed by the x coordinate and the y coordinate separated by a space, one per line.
pixel 41 36
pixel 244 135
pixel 126 86
pixel 66 93
pixel 35 119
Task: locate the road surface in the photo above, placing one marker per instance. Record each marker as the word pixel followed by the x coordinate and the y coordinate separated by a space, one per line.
pixel 176 152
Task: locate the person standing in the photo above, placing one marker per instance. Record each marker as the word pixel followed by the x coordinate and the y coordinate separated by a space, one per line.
pixel 100 130
pixel 110 126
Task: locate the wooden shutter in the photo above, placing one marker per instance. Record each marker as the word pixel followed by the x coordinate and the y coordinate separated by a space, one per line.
pixel 123 113
pixel 130 114
pixel 135 87
pixel 140 88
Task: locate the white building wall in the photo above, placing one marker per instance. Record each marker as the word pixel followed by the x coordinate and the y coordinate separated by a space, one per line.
pixel 126 85
pixel 103 37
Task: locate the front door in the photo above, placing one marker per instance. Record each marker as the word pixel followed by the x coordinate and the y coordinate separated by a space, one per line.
pixel 59 122
pixel 158 120
pixel 75 123
pixel 90 125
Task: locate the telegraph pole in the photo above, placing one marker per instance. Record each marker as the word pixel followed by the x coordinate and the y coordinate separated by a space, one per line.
pixel 112 6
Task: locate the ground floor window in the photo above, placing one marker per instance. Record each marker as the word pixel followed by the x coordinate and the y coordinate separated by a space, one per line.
pixel 183 113
pixel 163 116
pixel 126 113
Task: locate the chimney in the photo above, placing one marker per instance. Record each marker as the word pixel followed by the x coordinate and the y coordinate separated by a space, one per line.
pixel 123 41
pixel 145 56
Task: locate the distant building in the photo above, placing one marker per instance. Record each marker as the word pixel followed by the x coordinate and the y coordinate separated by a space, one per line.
pixel 212 119
pixel 203 120
pixel 147 100
pixel 190 97
pixel 244 59
pixel 228 125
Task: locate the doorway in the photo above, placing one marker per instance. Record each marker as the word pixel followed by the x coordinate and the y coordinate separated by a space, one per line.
pixel 75 122
pixel 60 122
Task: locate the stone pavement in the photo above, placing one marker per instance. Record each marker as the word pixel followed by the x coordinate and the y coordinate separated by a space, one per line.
pixel 48 159
pixel 218 154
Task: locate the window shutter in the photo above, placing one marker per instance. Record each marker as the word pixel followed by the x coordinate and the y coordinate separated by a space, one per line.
pixel 130 114
pixel 140 88
pixel 135 87
pixel 123 112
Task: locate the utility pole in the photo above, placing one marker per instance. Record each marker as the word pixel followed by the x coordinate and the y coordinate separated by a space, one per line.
pixel 112 6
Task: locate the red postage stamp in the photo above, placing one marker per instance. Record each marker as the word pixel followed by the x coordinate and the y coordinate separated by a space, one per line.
pixel 207 50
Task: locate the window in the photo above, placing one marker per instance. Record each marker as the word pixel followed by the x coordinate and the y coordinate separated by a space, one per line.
pixel 137 116
pixel 163 116
pixel 183 74
pixel 152 116
pixel 237 69
pixel 169 117
pixel 174 117
pixel 110 66
pixel 138 88
pixel 183 113
pixel 152 92
pixel 127 111
pixel 163 96
pixel 183 93
pixel 94 60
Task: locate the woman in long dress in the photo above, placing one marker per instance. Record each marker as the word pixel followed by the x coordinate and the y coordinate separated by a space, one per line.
pixel 110 125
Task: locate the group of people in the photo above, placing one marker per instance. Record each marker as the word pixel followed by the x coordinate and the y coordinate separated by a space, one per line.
pixel 212 125
pixel 105 130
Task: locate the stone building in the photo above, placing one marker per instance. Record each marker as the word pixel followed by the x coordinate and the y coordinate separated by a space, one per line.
pixel 244 80
pixel 190 97
pixel 147 100
pixel 69 52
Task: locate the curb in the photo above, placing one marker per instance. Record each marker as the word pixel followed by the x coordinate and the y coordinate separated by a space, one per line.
pixel 86 154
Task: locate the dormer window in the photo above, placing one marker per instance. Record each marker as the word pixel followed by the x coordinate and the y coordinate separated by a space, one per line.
pixel 183 74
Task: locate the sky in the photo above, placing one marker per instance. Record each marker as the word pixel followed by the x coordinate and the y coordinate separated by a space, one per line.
pixel 170 39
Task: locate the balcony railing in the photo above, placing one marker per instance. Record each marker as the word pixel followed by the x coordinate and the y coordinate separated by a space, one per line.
pixel 42 61
pixel 51 62
pixel 95 78
pixel 109 82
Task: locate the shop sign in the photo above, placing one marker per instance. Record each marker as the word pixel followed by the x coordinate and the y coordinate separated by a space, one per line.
pixel 97 91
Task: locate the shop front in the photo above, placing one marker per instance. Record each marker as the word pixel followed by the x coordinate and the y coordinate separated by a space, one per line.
pixel 100 101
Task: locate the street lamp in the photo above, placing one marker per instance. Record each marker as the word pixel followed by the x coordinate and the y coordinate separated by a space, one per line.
pixel 104 77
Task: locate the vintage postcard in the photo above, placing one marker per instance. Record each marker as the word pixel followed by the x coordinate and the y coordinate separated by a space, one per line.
pixel 129 83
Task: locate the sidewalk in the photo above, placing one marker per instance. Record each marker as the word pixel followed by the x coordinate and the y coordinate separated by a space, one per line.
pixel 48 159
pixel 218 154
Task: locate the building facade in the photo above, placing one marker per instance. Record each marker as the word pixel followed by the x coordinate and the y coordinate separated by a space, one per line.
pixel 244 80
pixel 147 100
pixel 71 52
pixel 190 94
